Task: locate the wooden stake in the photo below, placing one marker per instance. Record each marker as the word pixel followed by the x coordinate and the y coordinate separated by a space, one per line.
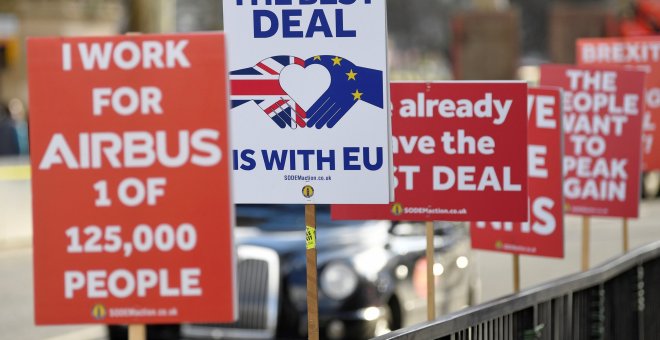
pixel 312 285
pixel 137 332
pixel 585 243
pixel 625 235
pixel 516 273
pixel 430 276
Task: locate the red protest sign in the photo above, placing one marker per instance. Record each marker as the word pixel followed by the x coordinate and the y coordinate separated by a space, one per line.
pixel 543 235
pixel 130 177
pixel 459 153
pixel 644 53
pixel 603 110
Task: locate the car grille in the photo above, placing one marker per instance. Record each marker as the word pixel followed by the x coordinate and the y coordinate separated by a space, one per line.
pixel 258 292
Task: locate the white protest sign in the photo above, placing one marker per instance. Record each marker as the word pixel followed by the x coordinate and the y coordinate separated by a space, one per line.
pixel 309 114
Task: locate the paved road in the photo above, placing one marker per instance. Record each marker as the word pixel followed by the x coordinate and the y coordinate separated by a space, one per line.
pixel 606 241
pixel 15 200
pixel 16 303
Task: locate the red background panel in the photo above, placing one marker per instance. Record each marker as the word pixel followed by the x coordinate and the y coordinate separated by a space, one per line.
pixel 194 98
pixel 639 52
pixel 422 202
pixel 580 199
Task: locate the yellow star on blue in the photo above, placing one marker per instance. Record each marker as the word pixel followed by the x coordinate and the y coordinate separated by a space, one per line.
pixel 317 57
pixel 336 61
pixel 357 95
pixel 351 75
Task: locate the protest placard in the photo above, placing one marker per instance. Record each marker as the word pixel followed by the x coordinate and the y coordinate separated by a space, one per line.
pixel 131 180
pixel 642 53
pixel 543 234
pixel 309 101
pixel 603 110
pixel 460 153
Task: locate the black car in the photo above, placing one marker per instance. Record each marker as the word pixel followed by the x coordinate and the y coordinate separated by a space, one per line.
pixel 371 276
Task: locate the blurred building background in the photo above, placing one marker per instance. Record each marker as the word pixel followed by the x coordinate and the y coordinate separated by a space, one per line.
pixel 20 19
pixel 429 39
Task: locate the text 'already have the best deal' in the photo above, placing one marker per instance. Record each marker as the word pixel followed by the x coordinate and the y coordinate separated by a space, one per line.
pixel 466 140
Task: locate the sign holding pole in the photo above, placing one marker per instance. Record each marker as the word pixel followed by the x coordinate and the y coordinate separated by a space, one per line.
pixel 516 273
pixel 634 52
pixel 626 242
pixel 137 332
pixel 144 232
pixel 543 234
pixel 586 238
pixel 430 275
pixel 310 118
pixel 312 288
pixel 603 110
pixel 458 151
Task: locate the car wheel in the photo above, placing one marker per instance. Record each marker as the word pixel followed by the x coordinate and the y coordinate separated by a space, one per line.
pixel 651 184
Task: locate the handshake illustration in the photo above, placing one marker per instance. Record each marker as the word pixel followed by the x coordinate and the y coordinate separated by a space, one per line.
pixel 316 92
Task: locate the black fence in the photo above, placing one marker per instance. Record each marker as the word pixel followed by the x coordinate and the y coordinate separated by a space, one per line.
pixel 619 300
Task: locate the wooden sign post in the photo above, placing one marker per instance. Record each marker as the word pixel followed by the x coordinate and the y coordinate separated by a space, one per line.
pixel 137 332
pixel 312 281
pixel 543 234
pixel 516 273
pixel 430 275
pixel 602 162
pixel 302 93
pixel 607 52
pixel 585 242
pixel 626 244
pixel 439 175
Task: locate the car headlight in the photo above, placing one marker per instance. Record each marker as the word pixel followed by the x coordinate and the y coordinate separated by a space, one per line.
pixel 338 281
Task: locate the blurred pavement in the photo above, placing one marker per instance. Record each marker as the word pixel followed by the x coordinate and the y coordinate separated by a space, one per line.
pixel 495 268
pixel 15 202
pixel 17 304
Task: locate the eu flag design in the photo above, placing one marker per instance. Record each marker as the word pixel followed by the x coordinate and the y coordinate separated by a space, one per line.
pixel 349 84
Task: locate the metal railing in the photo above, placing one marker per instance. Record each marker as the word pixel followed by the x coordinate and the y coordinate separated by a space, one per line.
pixel 618 300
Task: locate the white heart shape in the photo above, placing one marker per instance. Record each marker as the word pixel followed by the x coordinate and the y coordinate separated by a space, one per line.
pixel 305 85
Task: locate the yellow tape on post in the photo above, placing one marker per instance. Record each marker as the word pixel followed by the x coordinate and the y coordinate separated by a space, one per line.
pixel 312 281
pixel 310 237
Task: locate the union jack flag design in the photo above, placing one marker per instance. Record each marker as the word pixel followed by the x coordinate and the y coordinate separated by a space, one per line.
pixel 261 84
